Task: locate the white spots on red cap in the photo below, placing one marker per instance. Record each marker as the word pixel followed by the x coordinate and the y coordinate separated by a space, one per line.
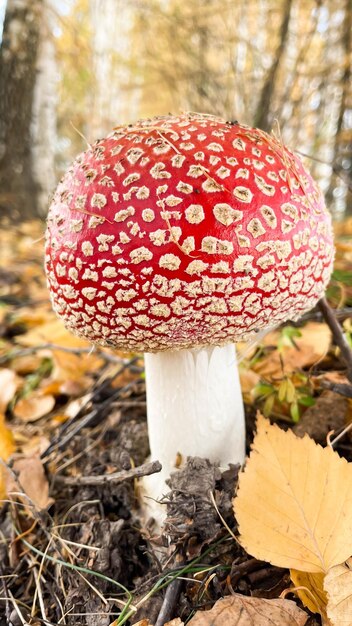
pixel 225 214
pixel 87 248
pixel 196 267
pixel 183 187
pixel 121 216
pixel 172 200
pixel 177 160
pixel 158 171
pixel 195 171
pixel 194 214
pixel 148 215
pixel 89 292
pixel 213 245
pixel 265 187
pixel 239 144
pixel 223 172
pixel 131 178
pixel 170 262
pixel 269 215
pixel 104 242
pixel 243 194
pixel 90 275
pixel 256 228
pixel 98 200
pixel 138 255
pixel 142 193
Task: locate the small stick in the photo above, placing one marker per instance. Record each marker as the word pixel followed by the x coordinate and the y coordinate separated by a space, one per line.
pixel 115 478
pixel 170 602
pixel 338 336
pixel 342 388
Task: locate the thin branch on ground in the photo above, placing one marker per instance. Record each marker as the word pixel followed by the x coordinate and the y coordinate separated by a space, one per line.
pixel 337 333
pixel 341 388
pixel 105 356
pixel 114 478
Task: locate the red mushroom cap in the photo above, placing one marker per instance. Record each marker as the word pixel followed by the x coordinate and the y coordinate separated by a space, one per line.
pixel 183 231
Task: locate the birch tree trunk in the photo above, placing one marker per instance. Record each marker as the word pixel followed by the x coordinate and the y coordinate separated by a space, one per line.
pixel 44 114
pixel 18 58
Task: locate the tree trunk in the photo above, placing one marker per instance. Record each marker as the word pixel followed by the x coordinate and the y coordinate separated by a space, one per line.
pixel 44 115
pixel 18 58
pixel 342 157
pixel 263 116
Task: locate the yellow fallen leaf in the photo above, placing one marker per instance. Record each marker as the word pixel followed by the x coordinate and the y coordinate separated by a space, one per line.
pixel 310 590
pixel 7 447
pixel 312 346
pixel 34 407
pixel 338 586
pixel 238 610
pixel 9 384
pixel 294 502
pixel 32 479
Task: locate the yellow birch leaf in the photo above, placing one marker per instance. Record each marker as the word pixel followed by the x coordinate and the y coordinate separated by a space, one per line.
pixel 7 447
pixel 238 610
pixel 294 502
pixel 338 586
pixel 310 590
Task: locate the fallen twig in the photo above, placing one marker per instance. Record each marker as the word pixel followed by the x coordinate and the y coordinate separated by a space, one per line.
pixel 344 389
pixel 338 336
pixel 115 478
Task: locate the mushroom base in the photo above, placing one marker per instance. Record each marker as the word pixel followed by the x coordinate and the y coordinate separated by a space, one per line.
pixel 195 408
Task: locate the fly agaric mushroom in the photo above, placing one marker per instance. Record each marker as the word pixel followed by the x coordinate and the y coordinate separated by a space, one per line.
pixel 177 237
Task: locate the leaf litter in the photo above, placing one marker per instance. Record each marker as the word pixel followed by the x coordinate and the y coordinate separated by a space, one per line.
pixel 85 553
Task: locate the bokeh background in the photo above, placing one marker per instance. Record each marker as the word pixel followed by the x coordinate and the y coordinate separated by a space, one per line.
pixel 71 70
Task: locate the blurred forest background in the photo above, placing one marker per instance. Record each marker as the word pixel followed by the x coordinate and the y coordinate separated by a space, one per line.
pixel 70 70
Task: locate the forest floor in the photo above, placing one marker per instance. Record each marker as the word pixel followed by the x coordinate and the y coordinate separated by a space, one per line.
pixel 76 547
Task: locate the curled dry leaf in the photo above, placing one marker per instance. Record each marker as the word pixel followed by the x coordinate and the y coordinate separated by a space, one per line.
pixel 338 586
pixel 34 407
pixel 294 502
pixel 310 589
pixel 238 610
pixel 9 384
pixel 32 480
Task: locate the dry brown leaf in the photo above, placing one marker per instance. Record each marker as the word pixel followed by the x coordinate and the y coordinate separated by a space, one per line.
pixel 34 406
pixel 238 610
pixel 9 384
pixel 294 502
pixel 143 622
pixel 338 586
pixel 249 380
pixel 175 622
pixel 67 365
pixel 313 345
pixel 310 589
pixel 32 479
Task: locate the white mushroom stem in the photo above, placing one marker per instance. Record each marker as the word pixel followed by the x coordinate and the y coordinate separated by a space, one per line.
pixel 195 408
